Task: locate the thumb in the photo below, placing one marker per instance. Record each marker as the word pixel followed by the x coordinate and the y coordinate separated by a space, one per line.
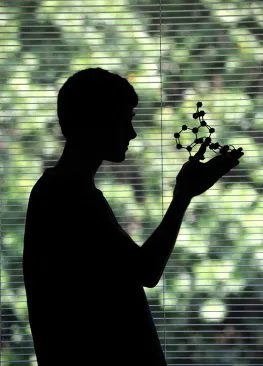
pixel 200 153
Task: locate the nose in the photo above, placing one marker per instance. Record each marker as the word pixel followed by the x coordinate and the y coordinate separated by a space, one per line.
pixel 133 134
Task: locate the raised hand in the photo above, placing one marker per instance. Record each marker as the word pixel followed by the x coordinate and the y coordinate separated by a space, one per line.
pixel 196 177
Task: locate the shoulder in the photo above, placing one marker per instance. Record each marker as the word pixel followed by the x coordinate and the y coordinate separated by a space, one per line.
pixel 54 197
pixel 63 186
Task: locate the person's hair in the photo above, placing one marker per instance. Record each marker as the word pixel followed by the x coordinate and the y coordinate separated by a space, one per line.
pixel 88 95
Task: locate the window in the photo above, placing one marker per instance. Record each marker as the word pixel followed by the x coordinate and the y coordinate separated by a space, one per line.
pixel 208 306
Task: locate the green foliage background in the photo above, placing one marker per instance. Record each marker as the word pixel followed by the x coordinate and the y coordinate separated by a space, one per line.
pixel 208 305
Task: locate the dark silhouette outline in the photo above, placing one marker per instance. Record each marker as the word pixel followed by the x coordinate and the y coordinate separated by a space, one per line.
pixel 73 241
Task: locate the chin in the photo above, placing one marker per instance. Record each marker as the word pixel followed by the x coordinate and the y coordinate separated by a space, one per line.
pixel 116 158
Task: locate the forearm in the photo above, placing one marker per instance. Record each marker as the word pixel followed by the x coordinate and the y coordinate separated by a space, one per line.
pixel 157 249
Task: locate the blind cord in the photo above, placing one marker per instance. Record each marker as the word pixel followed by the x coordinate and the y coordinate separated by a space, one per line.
pixel 162 164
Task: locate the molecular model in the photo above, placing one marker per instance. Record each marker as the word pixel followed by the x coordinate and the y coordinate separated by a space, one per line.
pixel 208 140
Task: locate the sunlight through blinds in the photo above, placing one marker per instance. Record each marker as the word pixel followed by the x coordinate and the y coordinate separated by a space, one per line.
pixel 208 306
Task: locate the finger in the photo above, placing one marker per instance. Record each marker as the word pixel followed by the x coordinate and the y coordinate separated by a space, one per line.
pixel 222 164
pixel 237 153
pixel 231 163
pixel 224 170
pixel 200 153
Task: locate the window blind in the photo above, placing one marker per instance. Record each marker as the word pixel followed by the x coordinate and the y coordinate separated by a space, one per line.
pixel 208 305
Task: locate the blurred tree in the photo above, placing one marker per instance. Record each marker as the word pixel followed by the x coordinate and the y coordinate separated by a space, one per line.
pixel 208 306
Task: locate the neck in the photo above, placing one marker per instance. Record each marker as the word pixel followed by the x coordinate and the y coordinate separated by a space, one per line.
pixel 81 162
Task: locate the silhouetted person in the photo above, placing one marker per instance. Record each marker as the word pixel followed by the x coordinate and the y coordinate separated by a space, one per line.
pixel 84 275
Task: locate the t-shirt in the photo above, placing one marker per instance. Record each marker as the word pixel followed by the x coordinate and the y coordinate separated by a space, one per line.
pixel 86 304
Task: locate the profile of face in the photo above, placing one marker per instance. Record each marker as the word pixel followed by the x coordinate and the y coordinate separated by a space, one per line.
pixel 116 135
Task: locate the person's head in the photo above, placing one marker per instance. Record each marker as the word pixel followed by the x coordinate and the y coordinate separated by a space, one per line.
pixel 95 111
